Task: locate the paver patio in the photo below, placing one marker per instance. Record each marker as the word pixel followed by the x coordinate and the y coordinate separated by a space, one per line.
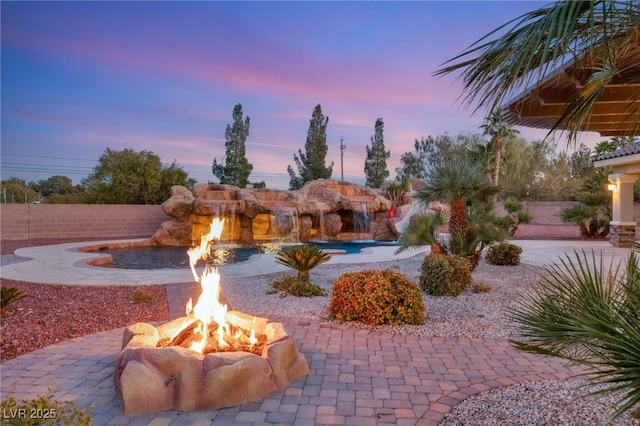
pixel 357 376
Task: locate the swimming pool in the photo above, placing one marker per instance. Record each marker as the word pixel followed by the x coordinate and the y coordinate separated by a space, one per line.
pixel 176 257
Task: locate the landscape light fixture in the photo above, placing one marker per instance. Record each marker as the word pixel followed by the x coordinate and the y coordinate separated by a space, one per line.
pixel 611 186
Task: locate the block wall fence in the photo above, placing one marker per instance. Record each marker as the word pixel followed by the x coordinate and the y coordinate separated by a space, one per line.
pixel 30 221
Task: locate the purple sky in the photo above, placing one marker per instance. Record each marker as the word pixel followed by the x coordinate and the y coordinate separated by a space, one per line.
pixel 79 77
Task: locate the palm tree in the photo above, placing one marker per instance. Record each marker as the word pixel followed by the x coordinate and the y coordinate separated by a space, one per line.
pixel 302 258
pixel 422 230
pixel 500 132
pixel 596 35
pixel 482 154
pixel 457 182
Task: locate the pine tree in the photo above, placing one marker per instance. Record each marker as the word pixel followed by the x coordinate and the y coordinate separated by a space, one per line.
pixel 311 164
pixel 236 168
pixel 375 165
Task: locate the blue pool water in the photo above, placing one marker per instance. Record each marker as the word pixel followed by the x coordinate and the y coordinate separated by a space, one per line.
pixel 177 258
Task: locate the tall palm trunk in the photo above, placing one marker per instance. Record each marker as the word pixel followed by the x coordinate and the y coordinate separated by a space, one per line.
pixel 459 222
pixel 497 146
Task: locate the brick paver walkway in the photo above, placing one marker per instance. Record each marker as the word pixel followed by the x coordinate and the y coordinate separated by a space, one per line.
pixel 358 376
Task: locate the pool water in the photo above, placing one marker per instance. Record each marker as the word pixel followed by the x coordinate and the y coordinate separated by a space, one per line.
pixel 176 257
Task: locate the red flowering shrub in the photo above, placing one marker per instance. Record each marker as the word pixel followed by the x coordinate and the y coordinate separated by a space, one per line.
pixel 376 297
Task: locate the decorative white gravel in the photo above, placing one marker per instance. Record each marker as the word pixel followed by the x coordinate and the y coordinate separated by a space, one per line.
pixel 479 315
pixel 565 403
pixel 468 315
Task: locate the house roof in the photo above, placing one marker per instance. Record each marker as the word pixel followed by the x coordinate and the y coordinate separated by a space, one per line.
pixel 622 160
pixel 630 149
pixel 616 112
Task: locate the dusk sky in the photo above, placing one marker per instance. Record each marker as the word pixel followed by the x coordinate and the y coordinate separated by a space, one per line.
pixel 80 77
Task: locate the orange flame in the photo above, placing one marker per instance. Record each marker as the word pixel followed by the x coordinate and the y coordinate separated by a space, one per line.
pixel 208 308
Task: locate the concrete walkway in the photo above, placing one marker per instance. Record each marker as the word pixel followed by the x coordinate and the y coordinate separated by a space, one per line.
pixel 358 377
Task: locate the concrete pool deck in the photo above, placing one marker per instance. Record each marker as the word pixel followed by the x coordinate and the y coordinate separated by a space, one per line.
pixel 357 376
pixel 64 264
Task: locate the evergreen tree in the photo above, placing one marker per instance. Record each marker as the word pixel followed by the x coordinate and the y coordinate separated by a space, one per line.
pixel 375 165
pixel 311 164
pixel 236 168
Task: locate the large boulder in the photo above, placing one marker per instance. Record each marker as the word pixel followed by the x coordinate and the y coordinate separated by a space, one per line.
pixel 325 206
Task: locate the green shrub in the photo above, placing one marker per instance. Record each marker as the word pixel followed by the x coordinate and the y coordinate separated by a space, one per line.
pixel 504 254
pixel 376 297
pixel 44 410
pixel 290 285
pixel 8 295
pixel 445 275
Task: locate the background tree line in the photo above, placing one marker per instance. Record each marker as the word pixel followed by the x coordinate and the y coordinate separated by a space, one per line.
pixel 120 177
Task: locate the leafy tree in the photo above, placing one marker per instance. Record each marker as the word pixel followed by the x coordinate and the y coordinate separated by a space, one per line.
pixel 17 191
pixel 312 164
pixel 431 152
pixel 554 182
pixel 536 172
pixel 580 163
pixel 236 168
pixel 613 143
pixel 375 165
pixel 481 154
pixel 500 132
pixel 599 35
pixel 55 185
pixel 174 175
pixel 130 177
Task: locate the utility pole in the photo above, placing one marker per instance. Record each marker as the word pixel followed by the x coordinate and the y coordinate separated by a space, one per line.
pixel 343 147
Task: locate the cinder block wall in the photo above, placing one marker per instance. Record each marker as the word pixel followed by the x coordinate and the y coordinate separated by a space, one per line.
pixel 28 221
pixel 546 213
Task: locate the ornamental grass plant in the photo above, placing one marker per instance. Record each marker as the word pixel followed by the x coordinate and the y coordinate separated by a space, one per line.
pixel 589 315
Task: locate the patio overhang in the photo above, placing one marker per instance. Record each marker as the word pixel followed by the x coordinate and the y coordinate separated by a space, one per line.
pixel 616 111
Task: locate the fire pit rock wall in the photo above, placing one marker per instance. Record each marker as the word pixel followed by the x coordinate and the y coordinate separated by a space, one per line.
pixel 152 379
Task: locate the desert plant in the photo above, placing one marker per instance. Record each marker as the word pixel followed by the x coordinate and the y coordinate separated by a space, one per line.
pixel 445 275
pixel 480 287
pixel 458 182
pixel 514 217
pixel 44 410
pixel 396 191
pixel 303 258
pixel 590 315
pixel 289 285
pixel 376 297
pixel 504 254
pixel 422 230
pixel 8 295
pixel 592 213
pixel 139 296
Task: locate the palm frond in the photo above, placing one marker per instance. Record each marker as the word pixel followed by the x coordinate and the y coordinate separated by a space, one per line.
pixel 422 230
pixel 590 315
pixel 596 35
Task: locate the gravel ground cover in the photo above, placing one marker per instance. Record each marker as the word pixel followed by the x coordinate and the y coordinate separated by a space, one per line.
pixel 55 313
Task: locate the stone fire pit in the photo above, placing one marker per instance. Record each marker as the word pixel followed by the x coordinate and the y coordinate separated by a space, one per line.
pixel 152 379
